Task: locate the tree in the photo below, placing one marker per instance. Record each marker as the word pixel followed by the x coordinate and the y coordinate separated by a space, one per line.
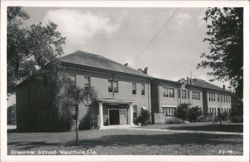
pixel 236 114
pixel 29 48
pixel 144 118
pixel 72 97
pixel 225 37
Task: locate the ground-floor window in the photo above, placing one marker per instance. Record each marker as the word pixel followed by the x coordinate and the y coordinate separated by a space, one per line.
pixel 170 111
pixel 213 111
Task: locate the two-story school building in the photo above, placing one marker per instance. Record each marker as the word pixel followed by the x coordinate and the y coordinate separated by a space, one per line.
pixel 166 95
pixel 121 94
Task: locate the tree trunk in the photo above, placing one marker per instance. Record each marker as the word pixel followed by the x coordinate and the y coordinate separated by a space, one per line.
pixel 77 136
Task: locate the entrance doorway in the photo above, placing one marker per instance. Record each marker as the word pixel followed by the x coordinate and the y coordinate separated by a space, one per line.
pixel 114 117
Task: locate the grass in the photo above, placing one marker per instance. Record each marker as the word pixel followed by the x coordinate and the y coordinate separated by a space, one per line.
pixel 128 142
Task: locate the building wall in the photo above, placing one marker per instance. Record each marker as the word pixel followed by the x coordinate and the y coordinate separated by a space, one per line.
pixel 99 81
pixel 196 102
pixel 35 109
pixel 167 101
pixel 222 102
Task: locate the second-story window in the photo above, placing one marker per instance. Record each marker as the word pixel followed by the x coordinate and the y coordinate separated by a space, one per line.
pixel 86 81
pixel 168 92
pixel 195 95
pixel 113 86
pixel 142 89
pixel 184 93
pixel 133 88
pixel 70 79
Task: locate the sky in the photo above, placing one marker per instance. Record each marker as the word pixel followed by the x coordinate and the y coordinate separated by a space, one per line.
pixel 123 34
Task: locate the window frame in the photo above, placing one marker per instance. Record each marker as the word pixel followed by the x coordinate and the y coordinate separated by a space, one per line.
pixel 70 76
pixel 134 88
pixel 182 93
pixel 111 86
pixel 168 92
pixel 143 87
pixel 89 82
pixel 194 97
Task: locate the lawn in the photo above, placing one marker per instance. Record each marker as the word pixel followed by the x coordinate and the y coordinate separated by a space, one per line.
pixel 209 126
pixel 128 142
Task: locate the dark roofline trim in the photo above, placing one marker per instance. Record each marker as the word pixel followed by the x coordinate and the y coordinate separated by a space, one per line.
pixel 224 91
pixel 166 81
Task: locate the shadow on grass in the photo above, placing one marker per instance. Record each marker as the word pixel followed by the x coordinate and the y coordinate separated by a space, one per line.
pixel 31 145
pixel 182 139
pixel 33 131
pixel 217 127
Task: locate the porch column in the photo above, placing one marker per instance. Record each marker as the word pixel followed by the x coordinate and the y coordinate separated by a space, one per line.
pixel 101 114
pixel 131 113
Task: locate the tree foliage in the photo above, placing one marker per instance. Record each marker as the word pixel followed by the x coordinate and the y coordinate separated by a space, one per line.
pixel 236 114
pixel 194 113
pixel 182 111
pixel 29 48
pixel 225 37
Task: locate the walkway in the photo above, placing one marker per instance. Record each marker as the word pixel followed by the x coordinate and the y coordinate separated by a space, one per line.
pixel 186 131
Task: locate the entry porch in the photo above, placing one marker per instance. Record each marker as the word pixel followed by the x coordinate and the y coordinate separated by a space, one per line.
pixel 114 113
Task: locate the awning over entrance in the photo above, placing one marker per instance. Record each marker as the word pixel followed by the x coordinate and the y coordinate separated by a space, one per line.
pixel 114 101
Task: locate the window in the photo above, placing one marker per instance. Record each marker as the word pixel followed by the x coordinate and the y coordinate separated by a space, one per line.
pixel 142 89
pixel 212 97
pixel 170 111
pixel 195 95
pixel 133 88
pixel 168 92
pixel 70 78
pixel 179 93
pixel 86 81
pixel 184 93
pixel 110 86
pixel 113 86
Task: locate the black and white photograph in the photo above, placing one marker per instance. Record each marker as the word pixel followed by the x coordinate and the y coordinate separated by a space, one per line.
pixel 136 78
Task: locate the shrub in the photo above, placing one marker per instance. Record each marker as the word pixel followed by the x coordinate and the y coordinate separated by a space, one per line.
pixel 194 113
pixel 86 122
pixel 224 116
pixel 11 114
pixel 65 117
pixel 236 119
pixel 174 121
pixel 182 111
pixel 144 118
